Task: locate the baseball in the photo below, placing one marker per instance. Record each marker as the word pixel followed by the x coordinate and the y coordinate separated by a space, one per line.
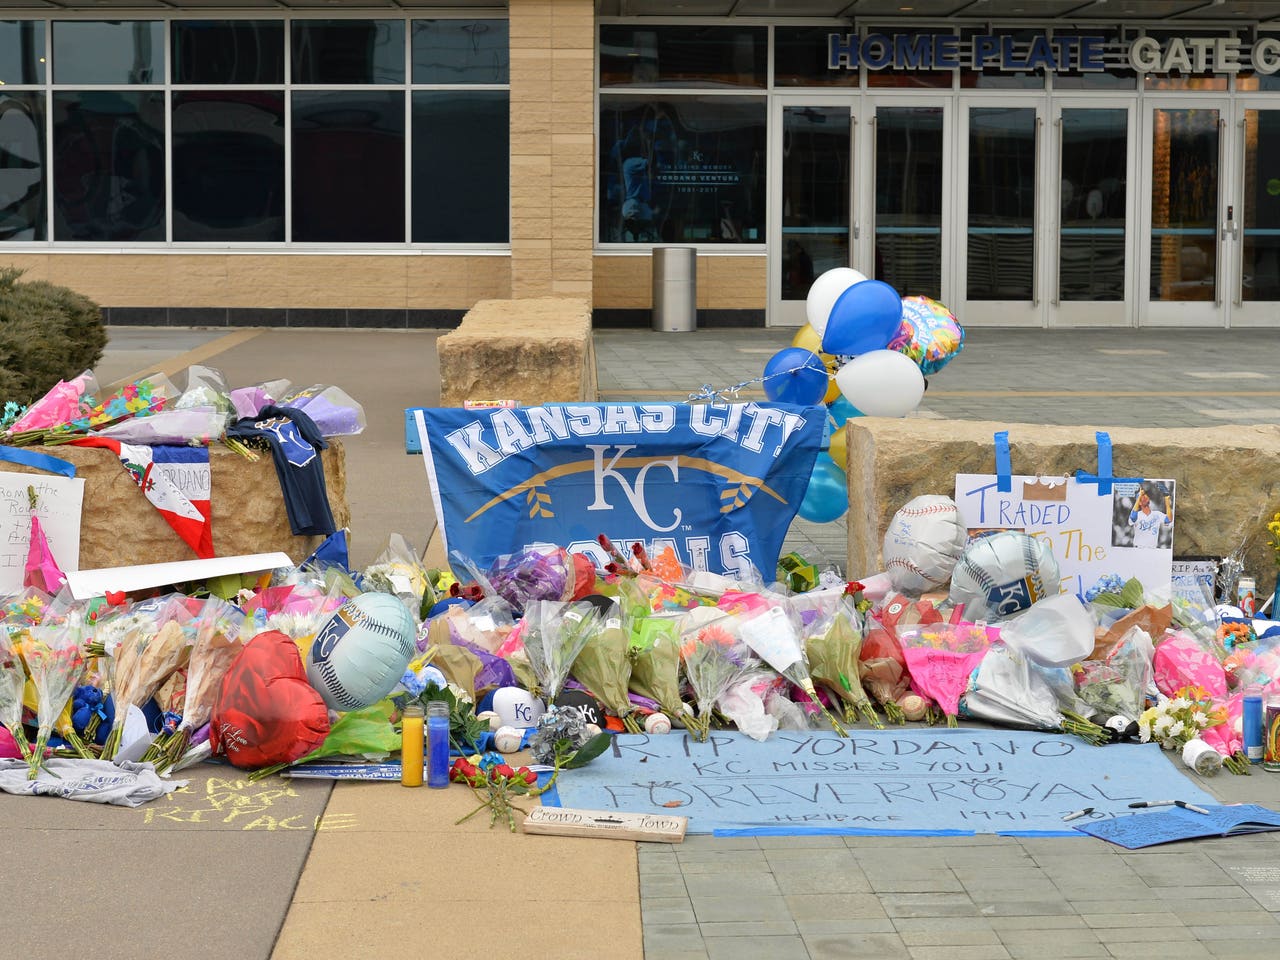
pixel 492 719
pixel 507 739
pixel 922 544
pixel 657 723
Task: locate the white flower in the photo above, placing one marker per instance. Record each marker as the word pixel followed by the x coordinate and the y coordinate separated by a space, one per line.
pixel 1177 728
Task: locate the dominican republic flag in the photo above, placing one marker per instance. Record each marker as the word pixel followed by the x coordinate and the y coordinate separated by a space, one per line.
pixel 176 480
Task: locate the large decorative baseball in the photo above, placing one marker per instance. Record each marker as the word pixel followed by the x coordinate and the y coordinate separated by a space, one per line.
pixel 923 542
pixel 1001 574
pixel 361 652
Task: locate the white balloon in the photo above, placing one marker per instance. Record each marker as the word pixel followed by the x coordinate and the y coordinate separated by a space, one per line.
pixel 825 292
pixel 882 383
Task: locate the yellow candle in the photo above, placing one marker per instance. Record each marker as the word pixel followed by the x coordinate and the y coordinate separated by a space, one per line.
pixel 411 746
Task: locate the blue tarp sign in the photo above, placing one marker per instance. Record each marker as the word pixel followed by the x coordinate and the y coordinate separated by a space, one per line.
pixel 907 781
pixel 720 483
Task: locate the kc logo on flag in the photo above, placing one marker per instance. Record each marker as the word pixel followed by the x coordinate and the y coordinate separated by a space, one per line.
pixel 720 483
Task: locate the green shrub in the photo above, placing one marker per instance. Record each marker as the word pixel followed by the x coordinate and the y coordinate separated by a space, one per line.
pixel 47 333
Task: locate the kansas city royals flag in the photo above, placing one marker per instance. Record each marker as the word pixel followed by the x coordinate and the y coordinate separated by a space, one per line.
pixel 718 482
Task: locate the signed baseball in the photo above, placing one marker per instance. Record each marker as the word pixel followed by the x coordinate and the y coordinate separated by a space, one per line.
pixel 923 542
pixel 507 739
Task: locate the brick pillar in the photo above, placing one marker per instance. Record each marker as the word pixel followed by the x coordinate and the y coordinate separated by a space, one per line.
pixel 552 147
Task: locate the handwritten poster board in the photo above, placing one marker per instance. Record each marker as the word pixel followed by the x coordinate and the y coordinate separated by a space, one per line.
pixel 927 782
pixel 1127 532
pixel 59 504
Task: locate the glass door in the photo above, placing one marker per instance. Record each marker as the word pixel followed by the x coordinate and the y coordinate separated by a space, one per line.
pixel 811 226
pixel 904 195
pixel 1254 224
pixel 1091 235
pixel 1183 266
pixel 1001 169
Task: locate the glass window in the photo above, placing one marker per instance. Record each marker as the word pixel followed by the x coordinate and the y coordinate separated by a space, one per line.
pixel 460 51
pixel 23 184
pixel 228 165
pixel 100 51
pixel 21 51
pixel 348 166
pixel 683 169
pixel 682 56
pixel 348 51
pixel 461 179
pixel 108 150
pixel 228 51
pixel 988 51
pixel 800 58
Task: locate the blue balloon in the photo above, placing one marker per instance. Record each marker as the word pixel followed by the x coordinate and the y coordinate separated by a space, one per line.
pixel 841 410
pixel 796 375
pixel 827 497
pixel 864 318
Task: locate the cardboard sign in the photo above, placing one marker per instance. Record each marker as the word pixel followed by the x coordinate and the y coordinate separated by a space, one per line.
pixel 58 507
pixel 1127 532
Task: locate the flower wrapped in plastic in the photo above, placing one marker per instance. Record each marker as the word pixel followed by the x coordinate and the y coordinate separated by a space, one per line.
pixel 60 405
pixel 832 644
pixel 399 572
pixel 55 663
pixel 1007 689
pixel 13 680
pixel 330 408
pixel 655 664
pixel 604 668
pixel 142 662
pixel 774 636
pixel 712 661
pixel 555 633
pixel 218 639
pixel 941 656
pixel 1116 687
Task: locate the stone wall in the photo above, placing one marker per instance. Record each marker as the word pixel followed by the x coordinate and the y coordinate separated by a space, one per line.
pixel 1228 478
pixel 534 351
pixel 119 526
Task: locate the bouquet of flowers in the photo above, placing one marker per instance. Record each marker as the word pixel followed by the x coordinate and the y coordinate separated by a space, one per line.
pixel 941 656
pixel 554 635
pixel 217 641
pixel 832 644
pixel 1175 721
pixel 604 668
pixel 711 663
pixel 55 662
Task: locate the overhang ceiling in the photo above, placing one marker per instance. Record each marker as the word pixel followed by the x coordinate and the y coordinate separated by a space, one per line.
pixel 1245 12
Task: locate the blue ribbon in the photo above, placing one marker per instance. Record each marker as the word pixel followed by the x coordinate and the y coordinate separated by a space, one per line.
pixel 1004 471
pixel 38 461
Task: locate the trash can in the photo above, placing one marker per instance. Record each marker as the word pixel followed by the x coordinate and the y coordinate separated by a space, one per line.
pixel 675 289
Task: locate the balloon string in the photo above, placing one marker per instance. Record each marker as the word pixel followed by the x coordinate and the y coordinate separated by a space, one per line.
pixel 730 394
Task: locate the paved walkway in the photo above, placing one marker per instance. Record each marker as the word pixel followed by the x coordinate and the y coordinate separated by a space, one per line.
pixel 359 870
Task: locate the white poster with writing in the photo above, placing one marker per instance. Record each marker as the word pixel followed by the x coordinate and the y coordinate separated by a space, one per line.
pixel 1127 532
pixel 59 501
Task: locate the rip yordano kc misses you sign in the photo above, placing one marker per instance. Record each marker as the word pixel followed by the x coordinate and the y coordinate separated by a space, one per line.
pixel 718 482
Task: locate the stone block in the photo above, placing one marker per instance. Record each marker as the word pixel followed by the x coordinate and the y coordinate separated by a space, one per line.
pixel 536 350
pixel 119 526
pixel 1226 476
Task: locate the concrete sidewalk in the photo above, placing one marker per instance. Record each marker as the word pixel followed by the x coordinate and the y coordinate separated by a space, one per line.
pixel 356 870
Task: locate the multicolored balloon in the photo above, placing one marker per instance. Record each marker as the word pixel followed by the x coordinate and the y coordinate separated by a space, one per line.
pixel 929 334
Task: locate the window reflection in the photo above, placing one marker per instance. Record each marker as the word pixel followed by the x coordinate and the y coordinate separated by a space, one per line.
pixel 22 171
pixel 348 167
pixel 99 51
pixel 688 168
pixel 108 150
pixel 228 166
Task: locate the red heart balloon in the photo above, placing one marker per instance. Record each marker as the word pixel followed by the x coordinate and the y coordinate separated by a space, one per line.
pixel 267 712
